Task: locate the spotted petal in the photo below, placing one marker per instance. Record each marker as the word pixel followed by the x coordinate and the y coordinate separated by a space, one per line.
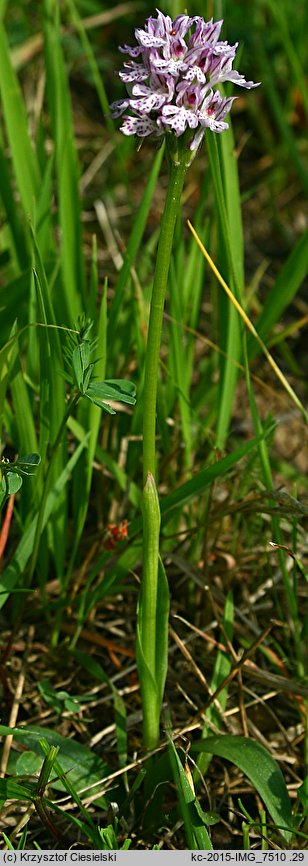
pixel 181 25
pixel 135 72
pixel 178 118
pixel 160 26
pixel 168 67
pixel 133 52
pixel 194 73
pixel 238 79
pixel 118 107
pixel 141 126
pixel 148 103
pixel 221 70
pixel 148 41
pixel 205 32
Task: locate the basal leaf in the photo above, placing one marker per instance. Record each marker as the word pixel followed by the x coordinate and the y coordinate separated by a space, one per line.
pixel 261 769
pixel 84 767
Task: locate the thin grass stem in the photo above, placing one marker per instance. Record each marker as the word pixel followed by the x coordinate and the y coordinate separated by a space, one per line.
pixel 40 518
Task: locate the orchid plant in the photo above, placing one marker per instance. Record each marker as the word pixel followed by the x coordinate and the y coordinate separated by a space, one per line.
pixel 172 78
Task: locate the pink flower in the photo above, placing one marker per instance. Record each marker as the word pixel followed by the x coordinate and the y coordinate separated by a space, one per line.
pixel 170 79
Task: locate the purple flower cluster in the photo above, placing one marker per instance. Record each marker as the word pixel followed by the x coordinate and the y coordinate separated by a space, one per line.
pixel 170 85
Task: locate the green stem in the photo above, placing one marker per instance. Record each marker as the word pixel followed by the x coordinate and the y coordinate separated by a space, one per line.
pixel 40 518
pixel 171 210
pixel 154 596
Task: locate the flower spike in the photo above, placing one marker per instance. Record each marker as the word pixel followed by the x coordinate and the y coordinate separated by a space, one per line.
pixel 172 78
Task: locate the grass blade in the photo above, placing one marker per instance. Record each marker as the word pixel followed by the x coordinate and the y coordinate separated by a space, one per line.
pixel 284 290
pixel 18 233
pixel 222 668
pixel 72 263
pixel 133 246
pixel 89 53
pixel 24 160
pixel 226 186
pixel 89 416
pixel 252 329
pixel 15 570
pixel 194 818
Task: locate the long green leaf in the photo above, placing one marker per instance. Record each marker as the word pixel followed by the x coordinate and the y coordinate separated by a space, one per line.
pixel 226 186
pixel 19 235
pixel 51 386
pixel 52 405
pixel 261 769
pixel 25 164
pixel 284 289
pixel 93 65
pixel 6 360
pixel 198 484
pixel 15 570
pixel 194 819
pixel 89 415
pixel 277 108
pixel 133 247
pixel 72 264
pixel 23 409
pixel 182 376
pixel 14 295
pixel 125 483
pixel 279 12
